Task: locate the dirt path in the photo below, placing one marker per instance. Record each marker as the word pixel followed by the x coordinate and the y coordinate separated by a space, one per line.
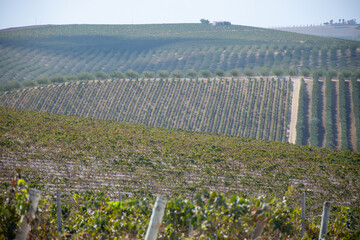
pixel 294 110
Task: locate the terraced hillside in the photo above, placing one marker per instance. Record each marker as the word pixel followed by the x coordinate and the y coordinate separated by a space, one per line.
pixel 28 53
pixel 62 152
pixel 255 108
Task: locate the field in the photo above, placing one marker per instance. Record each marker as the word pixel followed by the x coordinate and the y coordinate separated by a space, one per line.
pixel 330 114
pixel 72 153
pixel 211 105
pixel 260 108
pixel 351 32
pixel 75 116
pixel 29 53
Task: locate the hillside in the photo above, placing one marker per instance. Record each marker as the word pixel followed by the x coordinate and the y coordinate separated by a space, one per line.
pixel 254 108
pixel 351 32
pixel 61 152
pixel 28 53
pixel 331 113
pixel 261 108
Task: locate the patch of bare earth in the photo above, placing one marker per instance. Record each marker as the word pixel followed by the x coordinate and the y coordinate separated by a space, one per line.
pixel 294 110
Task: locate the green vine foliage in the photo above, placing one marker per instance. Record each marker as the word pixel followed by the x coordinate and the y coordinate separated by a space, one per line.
pixel 13 204
pixel 89 215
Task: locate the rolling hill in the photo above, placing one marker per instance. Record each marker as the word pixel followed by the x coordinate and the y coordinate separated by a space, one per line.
pixel 28 53
pixel 344 31
pixel 72 153
pixel 261 108
pixel 178 136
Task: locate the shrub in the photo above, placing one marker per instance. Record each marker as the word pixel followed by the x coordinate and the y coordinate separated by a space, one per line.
pixel 234 73
pixel 292 72
pixel 85 76
pixel 57 79
pixel 277 71
pixel 264 71
pixel 177 74
pixel 148 74
pixel 205 73
pixel 71 77
pixel 29 83
pixel 331 73
pixel 191 73
pixel 117 75
pixel 42 80
pixel 248 72
pixel 132 74
pixel 163 73
pixel 10 86
pixel 101 75
pixel 305 72
pixel 219 73
pixel 346 73
pixel 317 73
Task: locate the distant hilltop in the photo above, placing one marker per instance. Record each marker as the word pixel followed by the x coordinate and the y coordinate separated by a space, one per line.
pixel 215 23
pixel 341 22
pixel 345 29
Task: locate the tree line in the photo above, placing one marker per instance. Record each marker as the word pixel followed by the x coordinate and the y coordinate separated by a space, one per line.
pixel 132 74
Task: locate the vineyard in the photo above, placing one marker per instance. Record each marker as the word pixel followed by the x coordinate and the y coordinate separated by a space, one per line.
pixel 146 110
pixel 71 153
pixel 322 112
pixel 30 53
pixel 255 108
pixel 88 215
pixel 329 113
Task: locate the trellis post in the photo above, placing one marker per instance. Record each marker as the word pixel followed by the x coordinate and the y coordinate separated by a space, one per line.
pixel 58 202
pixel 191 228
pixel 324 220
pixel 156 218
pixel 303 215
pixel 34 197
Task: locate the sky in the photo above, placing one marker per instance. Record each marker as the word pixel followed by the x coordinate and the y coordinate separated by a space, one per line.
pixel 258 13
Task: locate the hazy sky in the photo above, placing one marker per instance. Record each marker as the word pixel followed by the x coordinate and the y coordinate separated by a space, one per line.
pixel 261 13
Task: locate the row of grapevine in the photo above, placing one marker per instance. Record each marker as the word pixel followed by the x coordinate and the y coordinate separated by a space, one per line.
pixel 300 124
pixel 287 112
pixel 329 119
pixel 356 106
pixel 329 123
pixel 315 116
pixel 233 106
pixel 343 114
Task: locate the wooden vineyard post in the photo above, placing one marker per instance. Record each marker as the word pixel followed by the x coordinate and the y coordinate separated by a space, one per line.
pixel 303 215
pixel 34 197
pixel 58 202
pixel 156 218
pixel 324 220
pixel 260 225
pixel 120 197
pixel 191 228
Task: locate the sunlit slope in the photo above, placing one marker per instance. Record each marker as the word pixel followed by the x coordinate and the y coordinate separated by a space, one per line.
pixel 27 53
pixel 256 108
pixel 62 152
